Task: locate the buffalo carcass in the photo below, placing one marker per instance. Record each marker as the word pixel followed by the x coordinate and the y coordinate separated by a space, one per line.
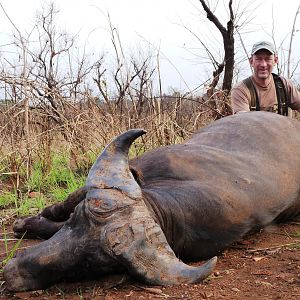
pixel 178 203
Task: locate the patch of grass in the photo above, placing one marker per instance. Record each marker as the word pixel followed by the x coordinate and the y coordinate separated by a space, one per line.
pixel 23 205
pixel 29 206
pixel 295 234
pixel 7 199
pixel 60 180
pixel 294 245
pixel 59 175
pixel 9 253
pixel 49 187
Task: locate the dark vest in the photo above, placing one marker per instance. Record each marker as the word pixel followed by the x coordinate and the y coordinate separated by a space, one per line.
pixel 281 94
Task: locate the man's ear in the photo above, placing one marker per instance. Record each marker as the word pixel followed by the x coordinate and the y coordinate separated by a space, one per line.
pixel 275 59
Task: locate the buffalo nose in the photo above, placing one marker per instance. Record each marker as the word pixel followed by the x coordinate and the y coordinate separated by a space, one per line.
pixel 14 281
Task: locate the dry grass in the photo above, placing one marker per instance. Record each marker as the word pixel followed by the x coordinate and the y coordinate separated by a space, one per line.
pixel 84 128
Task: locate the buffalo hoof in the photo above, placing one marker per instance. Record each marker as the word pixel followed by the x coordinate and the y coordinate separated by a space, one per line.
pixel 35 227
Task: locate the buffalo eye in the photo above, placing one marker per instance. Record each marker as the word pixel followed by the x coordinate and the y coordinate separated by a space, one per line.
pixel 103 207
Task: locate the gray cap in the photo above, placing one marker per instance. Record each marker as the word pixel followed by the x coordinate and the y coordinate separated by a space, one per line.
pixel 263 45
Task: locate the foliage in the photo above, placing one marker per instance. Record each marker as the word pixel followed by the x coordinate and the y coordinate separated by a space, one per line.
pixel 43 187
pixel 60 107
pixel 9 253
pixel 59 176
pixel 7 199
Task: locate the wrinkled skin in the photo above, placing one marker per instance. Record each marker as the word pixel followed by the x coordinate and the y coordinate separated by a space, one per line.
pixel 191 200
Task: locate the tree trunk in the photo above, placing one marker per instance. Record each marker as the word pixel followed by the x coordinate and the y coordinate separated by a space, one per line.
pixel 228 44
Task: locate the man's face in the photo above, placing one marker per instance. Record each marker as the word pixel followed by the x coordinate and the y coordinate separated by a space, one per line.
pixel 263 63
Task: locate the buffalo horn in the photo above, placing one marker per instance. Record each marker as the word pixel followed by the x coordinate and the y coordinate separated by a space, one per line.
pixel 111 169
pixel 147 255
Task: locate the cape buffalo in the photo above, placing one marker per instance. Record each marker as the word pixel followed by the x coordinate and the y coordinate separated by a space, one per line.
pixel 185 202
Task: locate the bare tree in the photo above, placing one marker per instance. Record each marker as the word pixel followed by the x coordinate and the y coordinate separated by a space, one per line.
pixel 289 72
pixel 228 43
pixel 56 99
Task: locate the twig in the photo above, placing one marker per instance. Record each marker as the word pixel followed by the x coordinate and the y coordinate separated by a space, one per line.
pixel 290 44
pixel 155 291
pixel 295 223
pixel 273 247
pixel 124 278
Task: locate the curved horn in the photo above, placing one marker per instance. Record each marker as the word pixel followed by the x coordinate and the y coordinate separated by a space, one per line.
pixel 111 169
pixel 143 249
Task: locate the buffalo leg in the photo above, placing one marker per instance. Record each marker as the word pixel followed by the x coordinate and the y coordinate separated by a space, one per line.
pixel 61 211
pixel 50 220
pixel 35 227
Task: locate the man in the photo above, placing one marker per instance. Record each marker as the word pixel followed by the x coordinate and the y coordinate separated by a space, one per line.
pixel 264 90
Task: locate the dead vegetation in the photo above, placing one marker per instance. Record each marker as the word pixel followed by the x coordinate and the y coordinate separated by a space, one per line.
pixel 52 96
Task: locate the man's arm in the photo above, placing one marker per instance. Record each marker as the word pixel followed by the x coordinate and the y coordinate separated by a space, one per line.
pixel 294 95
pixel 240 98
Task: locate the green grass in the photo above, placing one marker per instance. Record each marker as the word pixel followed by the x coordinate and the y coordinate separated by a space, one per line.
pixel 60 176
pixel 30 206
pixel 9 252
pixel 7 199
pixel 50 187
pixel 295 234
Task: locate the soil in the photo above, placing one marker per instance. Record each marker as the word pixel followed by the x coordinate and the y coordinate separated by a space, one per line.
pixel 264 265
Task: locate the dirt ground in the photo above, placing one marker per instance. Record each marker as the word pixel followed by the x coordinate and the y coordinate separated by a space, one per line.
pixel 264 265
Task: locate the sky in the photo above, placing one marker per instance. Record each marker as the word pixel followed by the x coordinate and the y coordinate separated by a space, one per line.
pixel 171 27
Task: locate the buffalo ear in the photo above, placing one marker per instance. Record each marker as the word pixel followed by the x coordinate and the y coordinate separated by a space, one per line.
pixel 136 175
pixel 144 251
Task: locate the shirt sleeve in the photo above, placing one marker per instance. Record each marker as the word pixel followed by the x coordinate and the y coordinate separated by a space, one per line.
pixel 240 98
pixel 294 94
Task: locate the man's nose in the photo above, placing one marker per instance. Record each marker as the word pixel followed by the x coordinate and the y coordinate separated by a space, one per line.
pixel 263 63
